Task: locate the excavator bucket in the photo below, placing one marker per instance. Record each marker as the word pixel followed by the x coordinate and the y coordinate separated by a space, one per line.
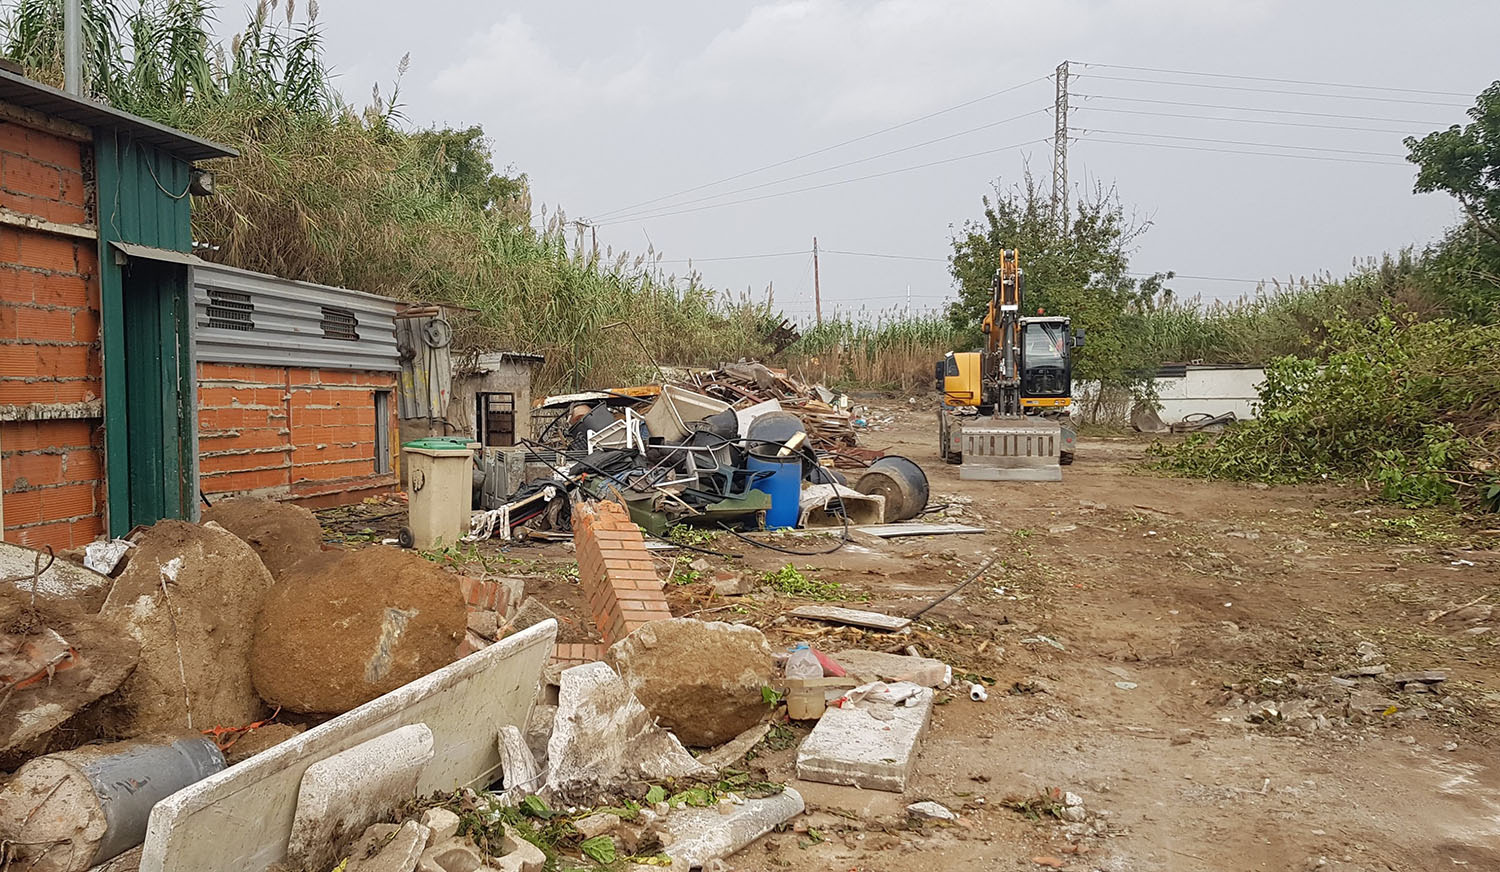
pixel 1012 449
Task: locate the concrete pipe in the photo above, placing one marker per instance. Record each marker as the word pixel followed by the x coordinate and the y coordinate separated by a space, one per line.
pixel 72 810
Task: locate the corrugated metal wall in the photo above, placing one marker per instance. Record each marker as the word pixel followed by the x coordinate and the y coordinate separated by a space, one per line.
pixel 262 319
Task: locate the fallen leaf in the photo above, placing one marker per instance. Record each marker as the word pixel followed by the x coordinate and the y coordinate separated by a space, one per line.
pixel 1050 862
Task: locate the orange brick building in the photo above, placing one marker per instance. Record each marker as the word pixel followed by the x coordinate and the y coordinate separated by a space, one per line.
pixel 296 388
pixel 136 378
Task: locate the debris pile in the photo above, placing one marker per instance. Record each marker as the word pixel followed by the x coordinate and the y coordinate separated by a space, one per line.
pixel 744 446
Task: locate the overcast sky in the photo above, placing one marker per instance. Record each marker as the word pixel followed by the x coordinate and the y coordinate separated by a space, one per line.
pixel 609 105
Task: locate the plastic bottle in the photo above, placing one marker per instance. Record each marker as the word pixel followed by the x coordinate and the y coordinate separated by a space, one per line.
pixel 803 663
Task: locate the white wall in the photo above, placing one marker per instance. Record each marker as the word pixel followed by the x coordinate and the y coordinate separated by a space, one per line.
pixel 1211 391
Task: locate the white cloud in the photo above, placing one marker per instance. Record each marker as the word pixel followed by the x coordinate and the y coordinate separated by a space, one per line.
pixel 508 66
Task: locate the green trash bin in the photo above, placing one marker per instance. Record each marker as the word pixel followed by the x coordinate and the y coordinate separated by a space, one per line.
pixel 440 486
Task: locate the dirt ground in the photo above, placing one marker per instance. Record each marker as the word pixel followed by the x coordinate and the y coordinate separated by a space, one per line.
pixel 1133 632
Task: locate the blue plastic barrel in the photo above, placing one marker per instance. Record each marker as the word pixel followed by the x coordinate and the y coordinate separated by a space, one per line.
pixel 781 479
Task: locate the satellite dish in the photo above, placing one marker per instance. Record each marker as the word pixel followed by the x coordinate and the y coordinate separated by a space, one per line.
pixel 437 333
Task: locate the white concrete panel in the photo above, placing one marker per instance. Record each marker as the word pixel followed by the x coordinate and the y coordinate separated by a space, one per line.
pixel 1210 391
pixel 240 819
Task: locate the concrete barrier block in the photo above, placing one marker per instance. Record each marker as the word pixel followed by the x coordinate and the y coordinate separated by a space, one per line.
pixel 240 820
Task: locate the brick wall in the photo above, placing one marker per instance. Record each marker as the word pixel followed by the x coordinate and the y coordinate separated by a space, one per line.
pixel 616 570
pixel 50 470
pixel 294 433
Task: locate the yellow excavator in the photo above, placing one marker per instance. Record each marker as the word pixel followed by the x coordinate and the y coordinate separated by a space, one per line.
pixel 1004 411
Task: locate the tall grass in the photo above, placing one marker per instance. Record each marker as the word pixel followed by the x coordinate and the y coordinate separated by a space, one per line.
pixel 891 351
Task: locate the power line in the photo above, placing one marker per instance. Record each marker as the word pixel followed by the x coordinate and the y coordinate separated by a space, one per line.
pixel 1244 120
pixel 887 256
pixel 1084 130
pixel 629 215
pixel 1257 153
pixel 733 257
pixel 1274 91
pixel 1276 81
pixel 829 148
pixel 1258 109
pixel 830 184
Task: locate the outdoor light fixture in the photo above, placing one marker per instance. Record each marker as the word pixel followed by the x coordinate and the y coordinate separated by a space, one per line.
pixel 202 182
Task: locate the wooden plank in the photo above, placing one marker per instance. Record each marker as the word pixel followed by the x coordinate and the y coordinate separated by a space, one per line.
pixel 893 531
pixel 852 617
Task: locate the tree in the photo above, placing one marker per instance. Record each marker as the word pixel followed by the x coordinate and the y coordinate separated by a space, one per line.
pixel 463 162
pixel 1465 162
pixel 1081 271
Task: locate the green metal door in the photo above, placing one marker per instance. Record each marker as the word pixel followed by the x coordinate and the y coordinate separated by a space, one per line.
pixel 145 302
pixel 158 391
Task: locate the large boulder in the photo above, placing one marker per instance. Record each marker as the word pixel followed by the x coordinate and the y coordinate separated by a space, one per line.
pixel 280 533
pixel 343 627
pixel 700 680
pixel 189 596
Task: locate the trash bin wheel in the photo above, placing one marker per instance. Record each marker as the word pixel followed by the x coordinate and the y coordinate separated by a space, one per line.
pixel 404 537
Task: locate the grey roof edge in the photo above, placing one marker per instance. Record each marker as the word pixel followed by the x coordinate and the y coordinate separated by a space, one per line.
pixel 210 266
pixel 22 91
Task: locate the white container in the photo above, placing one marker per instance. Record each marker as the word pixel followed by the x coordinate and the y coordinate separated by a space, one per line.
pixel 440 493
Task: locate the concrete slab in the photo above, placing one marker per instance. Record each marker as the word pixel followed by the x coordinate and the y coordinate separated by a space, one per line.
pixel 879 666
pixel 852 617
pixel 867 744
pixel 240 819
pixel 345 793
pixel 700 835
pixel 603 736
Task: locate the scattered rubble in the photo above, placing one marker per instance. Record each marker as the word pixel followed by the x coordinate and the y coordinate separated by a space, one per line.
pixel 602 736
pixel 343 627
pixel 343 794
pixel 189 596
pixel 57 580
pixel 54 667
pixel 700 836
pixel 870 743
pixel 389 848
pixel 866 666
pixel 930 811
pixel 530 613
pixel 281 533
pixel 701 680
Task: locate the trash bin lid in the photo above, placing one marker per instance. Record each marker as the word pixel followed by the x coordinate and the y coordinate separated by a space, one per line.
pixel 440 443
pixel 441 446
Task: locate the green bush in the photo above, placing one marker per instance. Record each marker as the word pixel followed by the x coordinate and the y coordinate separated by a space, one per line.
pixel 1410 406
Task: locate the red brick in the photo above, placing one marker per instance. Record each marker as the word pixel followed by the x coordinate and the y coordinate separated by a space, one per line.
pixel 21 471
pixel 74 192
pixel 63 290
pixel 26 176
pixel 84 465
pixel 39 435
pixel 56 150
pixel 52 253
pixel 86 325
pixel 45 325
pixel 65 361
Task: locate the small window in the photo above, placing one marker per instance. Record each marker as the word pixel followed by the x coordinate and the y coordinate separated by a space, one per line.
pixel 382 432
pixel 340 324
pixel 230 310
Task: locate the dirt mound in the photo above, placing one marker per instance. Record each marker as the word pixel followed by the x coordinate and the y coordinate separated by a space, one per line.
pixel 189 596
pixel 280 533
pixel 343 627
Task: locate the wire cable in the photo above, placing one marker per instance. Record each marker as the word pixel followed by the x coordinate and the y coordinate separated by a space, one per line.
pixel 627 216
pixel 1276 91
pixel 1084 130
pixel 1241 120
pixel 830 184
pixel 1303 113
pixel 826 149
pixel 1387 163
pixel 1274 80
